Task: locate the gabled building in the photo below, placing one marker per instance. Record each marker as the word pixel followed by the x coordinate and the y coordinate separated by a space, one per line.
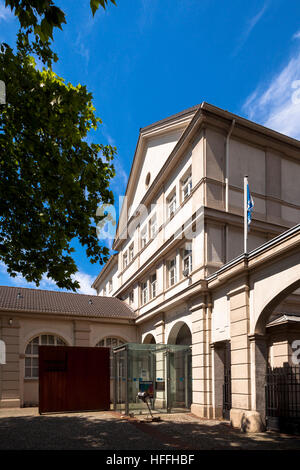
pixel 180 277
pixel 181 229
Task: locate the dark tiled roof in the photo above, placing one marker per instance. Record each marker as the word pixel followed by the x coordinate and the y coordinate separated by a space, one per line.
pixel 45 301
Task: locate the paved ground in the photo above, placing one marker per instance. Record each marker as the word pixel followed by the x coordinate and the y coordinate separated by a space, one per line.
pixel 25 429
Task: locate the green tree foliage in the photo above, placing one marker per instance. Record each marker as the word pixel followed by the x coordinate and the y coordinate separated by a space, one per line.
pixel 37 20
pixel 51 178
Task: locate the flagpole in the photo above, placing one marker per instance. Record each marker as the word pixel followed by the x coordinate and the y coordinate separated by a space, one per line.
pixel 245 215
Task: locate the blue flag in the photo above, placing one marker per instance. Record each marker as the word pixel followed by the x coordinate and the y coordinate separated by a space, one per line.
pixel 250 205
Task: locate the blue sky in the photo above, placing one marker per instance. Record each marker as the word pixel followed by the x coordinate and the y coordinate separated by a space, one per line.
pixel 147 59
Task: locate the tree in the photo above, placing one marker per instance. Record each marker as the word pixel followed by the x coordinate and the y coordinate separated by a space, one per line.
pixel 37 20
pixel 51 178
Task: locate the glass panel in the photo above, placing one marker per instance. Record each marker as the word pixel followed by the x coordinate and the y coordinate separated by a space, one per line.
pixel 35 361
pixel 35 349
pixel 27 372
pixel 35 372
pixel 28 349
pixel 27 361
pixel 108 342
pixel 148 368
pixel 44 339
pixel 51 340
pixel 35 340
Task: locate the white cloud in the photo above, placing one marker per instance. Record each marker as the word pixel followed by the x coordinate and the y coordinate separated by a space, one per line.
pixel 277 105
pixel 82 49
pixel 5 13
pixel 85 280
pixel 107 135
pixel 251 23
pixel 296 35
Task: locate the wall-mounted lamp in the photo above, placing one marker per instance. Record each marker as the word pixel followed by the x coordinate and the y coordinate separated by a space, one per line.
pixel 10 321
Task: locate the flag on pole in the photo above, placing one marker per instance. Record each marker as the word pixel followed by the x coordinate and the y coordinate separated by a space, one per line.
pixel 250 205
pixel 248 208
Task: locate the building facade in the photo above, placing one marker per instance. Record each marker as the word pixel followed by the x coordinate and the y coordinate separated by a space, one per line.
pixel 32 317
pixel 179 261
pixel 179 275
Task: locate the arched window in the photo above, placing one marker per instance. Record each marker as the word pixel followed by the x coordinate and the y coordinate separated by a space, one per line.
pixel 32 353
pixel 110 343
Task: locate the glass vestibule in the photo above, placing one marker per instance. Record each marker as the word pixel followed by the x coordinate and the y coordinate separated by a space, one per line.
pixel 163 370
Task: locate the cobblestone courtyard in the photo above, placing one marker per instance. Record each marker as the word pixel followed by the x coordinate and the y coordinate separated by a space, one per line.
pixel 25 429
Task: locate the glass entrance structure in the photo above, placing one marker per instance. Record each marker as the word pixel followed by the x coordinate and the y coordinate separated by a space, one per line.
pixel 162 370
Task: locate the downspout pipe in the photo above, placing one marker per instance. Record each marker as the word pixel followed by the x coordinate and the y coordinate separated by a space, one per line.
pixel 227 166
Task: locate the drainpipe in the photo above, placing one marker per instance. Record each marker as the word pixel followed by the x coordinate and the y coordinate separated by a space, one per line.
pixel 227 166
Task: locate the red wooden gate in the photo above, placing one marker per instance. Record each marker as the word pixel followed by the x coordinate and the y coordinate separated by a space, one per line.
pixel 73 378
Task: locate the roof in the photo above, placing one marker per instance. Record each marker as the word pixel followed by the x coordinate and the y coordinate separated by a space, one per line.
pixel 109 264
pixel 285 318
pixel 21 299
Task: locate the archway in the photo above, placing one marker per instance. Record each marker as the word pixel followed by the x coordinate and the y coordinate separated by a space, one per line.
pixel 149 339
pixel 31 364
pixel 180 366
pixel 180 334
pixel 277 369
pixel 268 310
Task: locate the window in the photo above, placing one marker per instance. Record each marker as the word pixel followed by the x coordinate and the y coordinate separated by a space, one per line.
pixel 144 237
pixel 172 272
pixel 187 259
pixel 125 260
pixel 144 290
pixel 153 286
pixel 110 285
pixel 186 186
pixel 110 343
pixel 32 353
pixel 171 205
pixel 131 252
pixel 131 297
pixel 153 226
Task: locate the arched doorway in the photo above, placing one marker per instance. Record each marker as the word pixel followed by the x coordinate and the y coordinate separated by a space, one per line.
pixel 112 342
pixel 31 365
pixel 180 366
pixel 180 334
pixel 277 360
pixel 149 339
